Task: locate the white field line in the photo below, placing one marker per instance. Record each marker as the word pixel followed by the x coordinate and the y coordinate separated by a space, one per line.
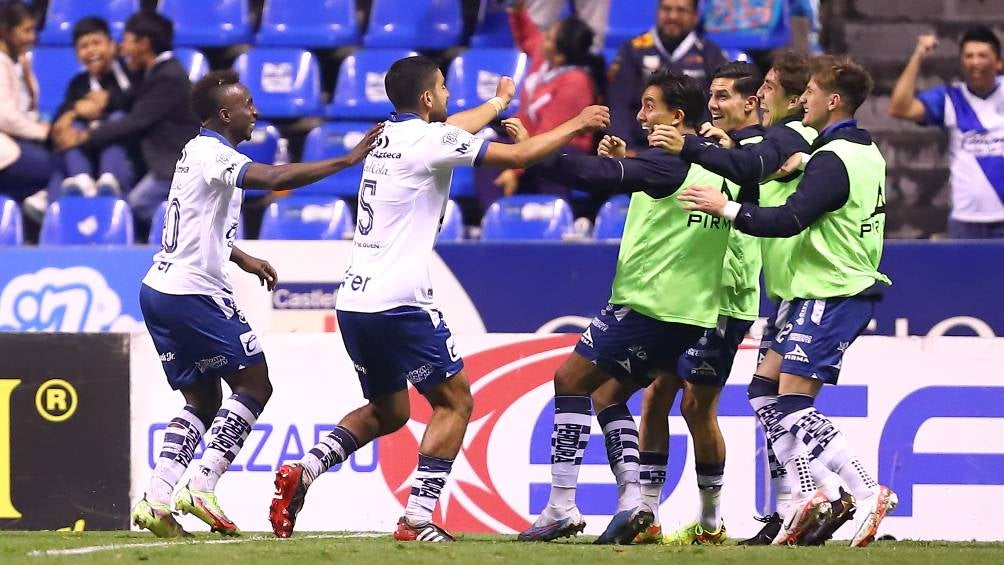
pixel 148 545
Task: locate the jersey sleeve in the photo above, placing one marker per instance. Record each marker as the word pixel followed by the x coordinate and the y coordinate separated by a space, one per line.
pixel 933 100
pixel 226 168
pixel 449 147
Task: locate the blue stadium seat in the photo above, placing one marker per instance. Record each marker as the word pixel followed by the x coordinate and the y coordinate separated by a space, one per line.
pixel 63 14
pixel 474 74
pixel 261 148
pixel 332 140
pixel 462 183
pixel 308 23
pixel 628 18
pixel 527 216
pixel 157 225
pixel 194 61
pixel 11 231
pixel 217 23
pixel 307 217
pixel 359 92
pixel 415 24
pixel 492 28
pixel 103 220
pixel 284 82
pixel 453 223
pixel 738 33
pixel 54 68
pixel 611 217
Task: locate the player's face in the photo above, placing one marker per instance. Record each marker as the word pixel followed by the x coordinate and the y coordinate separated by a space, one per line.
pixel 729 109
pixel 818 104
pixel 243 113
pixel 653 109
pixel 676 18
pixel 133 49
pixel 980 64
pixel 774 104
pixel 20 38
pixel 95 51
pixel 440 96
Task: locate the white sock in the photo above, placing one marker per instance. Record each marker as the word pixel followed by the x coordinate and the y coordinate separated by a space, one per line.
pixel 180 440
pixel 572 421
pixel 430 480
pixel 710 479
pixel 621 437
pixel 652 476
pixel 226 437
pixel 329 451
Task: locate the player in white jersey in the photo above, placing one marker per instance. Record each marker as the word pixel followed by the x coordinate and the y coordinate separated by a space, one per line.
pixel 388 319
pixel 188 305
pixel 973 112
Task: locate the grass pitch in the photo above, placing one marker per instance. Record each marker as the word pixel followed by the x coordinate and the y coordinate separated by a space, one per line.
pixel 42 548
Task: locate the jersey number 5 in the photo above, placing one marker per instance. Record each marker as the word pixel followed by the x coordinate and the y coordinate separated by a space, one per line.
pixel 366 224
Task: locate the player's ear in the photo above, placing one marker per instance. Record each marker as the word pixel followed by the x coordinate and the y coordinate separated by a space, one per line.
pixel 224 115
pixel 752 103
pixel 834 102
pixel 678 118
pixel 426 98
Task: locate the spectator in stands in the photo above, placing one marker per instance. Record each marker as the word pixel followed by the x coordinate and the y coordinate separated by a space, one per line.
pixel 26 166
pixel 96 95
pixel 672 43
pixel 160 117
pixel 973 112
pixel 559 84
pixel 595 13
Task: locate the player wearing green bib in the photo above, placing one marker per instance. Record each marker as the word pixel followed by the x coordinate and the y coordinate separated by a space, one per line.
pixel 665 293
pixel 840 206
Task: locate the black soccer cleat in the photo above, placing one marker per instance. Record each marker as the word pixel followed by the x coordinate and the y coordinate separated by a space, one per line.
pixel 769 531
pixel 842 511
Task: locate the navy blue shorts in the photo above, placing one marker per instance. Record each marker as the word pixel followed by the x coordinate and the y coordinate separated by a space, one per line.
pixel 818 332
pixel 775 322
pixel 198 336
pixel 632 347
pixel 708 362
pixel 392 348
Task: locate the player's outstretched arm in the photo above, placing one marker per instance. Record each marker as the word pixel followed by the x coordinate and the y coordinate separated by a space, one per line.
pixel 258 267
pixel 904 103
pixel 525 153
pixel 475 119
pixel 294 175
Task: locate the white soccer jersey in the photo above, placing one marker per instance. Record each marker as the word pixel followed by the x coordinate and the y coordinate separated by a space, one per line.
pixel 976 126
pixel 203 210
pixel 402 198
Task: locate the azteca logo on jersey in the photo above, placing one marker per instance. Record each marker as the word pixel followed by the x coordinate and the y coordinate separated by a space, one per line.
pixel 474 499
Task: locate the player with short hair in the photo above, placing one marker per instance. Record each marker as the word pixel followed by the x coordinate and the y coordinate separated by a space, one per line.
pixel 752 163
pixel 386 312
pixel 840 205
pixel 666 292
pixel 188 304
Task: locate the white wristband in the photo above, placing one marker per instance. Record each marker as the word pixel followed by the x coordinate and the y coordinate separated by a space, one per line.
pixel 499 104
pixel 731 210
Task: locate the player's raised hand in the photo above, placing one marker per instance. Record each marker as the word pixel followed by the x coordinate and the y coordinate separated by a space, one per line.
pixel 506 89
pixel 718 134
pixel 667 138
pixel 368 141
pixel 707 199
pixel 594 118
pixel 925 45
pixel 516 130
pixel 613 147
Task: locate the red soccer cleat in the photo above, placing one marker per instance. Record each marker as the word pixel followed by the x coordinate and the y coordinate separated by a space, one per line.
pixel 287 500
pixel 428 532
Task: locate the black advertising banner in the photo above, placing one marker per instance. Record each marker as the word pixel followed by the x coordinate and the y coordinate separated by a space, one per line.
pixel 64 431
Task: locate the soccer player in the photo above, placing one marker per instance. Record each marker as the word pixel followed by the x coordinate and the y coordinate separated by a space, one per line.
pixel 840 205
pixel 785 136
pixel 388 319
pixel 188 304
pixel 666 292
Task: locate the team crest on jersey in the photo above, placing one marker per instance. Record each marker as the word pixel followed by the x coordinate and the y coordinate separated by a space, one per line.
pixel 450 138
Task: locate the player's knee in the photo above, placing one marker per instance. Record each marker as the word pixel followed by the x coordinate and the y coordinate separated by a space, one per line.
pixel 463 405
pixel 696 410
pixel 568 381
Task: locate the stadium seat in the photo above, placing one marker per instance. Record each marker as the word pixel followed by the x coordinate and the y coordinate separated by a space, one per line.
pixel 474 74
pixel 284 82
pixel 11 230
pixel 527 217
pixel 63 14
pixel 732 27
pixel 332 140
pixel 308 23
pixel 157 225
pixel 492 28
pixel 453 223
pixel 54 69
pixel 414 24
pixel 194 61
pixel 307 217
pixel 359 92
pixel 611 217
pixel 263 147
pixel 218 23
pixel 628 18
pixel 103 220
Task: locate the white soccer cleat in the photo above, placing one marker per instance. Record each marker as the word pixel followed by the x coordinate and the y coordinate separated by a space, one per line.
pixel 800 516
pixel 873 510
pixel 548 528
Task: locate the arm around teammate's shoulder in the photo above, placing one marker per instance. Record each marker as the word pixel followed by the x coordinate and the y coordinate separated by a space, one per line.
pixel 294 175
pixel 525 153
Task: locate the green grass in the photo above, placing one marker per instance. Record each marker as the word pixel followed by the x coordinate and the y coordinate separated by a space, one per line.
pixel 18 547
